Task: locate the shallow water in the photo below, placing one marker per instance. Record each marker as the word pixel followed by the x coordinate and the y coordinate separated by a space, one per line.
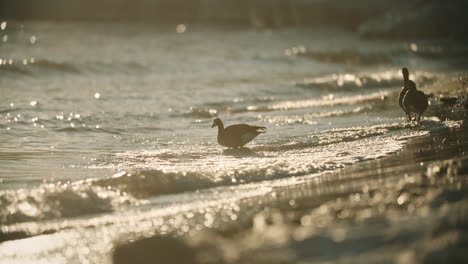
pixel 106 127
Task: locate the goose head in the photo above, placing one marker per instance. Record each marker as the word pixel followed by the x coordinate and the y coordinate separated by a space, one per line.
pixel 217 122
pixel 405 72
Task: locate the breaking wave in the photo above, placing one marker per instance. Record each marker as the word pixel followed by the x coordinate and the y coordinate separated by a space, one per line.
pixel 349 81
pixel 325 101
pixel 45 66
pixel 58 201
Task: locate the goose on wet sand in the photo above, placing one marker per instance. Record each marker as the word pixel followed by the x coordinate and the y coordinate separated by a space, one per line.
pixel 414 101
pixel 403 91
pixel 236 135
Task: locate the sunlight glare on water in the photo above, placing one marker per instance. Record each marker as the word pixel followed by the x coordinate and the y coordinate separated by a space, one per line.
pixel 107 138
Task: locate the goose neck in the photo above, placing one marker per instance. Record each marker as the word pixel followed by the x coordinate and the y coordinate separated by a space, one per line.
pixel 220 126
pixel 405 79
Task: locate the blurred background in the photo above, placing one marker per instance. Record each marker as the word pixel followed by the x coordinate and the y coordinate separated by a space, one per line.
pixel 388 18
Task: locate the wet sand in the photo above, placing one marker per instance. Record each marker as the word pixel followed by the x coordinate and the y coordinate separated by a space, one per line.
pixel 410 207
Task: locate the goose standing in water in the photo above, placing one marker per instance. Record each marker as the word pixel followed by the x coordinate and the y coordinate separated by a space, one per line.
pixel 403 91
pixel 414 101
pixel 236 135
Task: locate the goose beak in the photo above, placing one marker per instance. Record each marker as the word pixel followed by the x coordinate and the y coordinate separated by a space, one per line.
pixel 213 125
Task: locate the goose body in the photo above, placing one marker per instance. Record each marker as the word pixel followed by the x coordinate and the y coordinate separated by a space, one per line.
pixel 235 136
pixel 414 101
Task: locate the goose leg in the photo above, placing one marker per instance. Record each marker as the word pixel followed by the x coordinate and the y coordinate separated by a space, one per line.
pixel 409 117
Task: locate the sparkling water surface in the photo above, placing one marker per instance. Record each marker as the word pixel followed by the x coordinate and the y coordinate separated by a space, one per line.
pixel 108 125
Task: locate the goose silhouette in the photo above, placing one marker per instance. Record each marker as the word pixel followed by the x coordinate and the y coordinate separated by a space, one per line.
pixel 414 101
pixel 238 135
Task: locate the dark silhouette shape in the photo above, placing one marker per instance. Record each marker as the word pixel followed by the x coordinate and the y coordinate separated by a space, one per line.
pixel 403 91
pixel 236 135
pixel 154 250
pixel 414 101
pixel 449 100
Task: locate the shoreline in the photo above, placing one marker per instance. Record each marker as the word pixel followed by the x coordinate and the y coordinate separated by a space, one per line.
pixel 409 207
